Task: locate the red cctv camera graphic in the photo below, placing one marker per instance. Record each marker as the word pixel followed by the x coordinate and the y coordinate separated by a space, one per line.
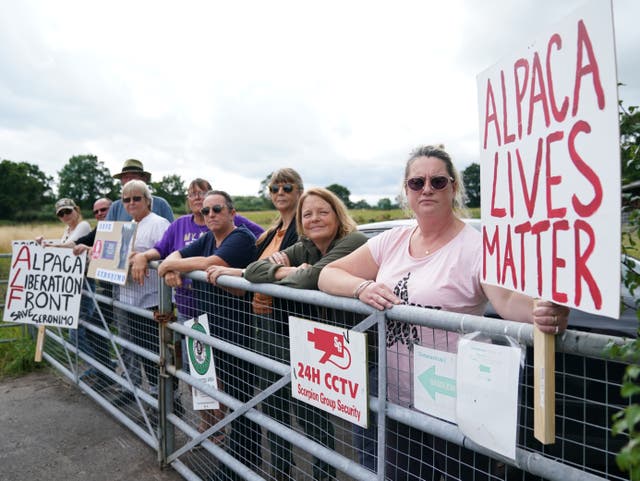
pixel 329 343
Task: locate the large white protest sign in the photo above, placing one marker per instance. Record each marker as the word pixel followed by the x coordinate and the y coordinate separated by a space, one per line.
pixel 550 165
pixel 45 285
pixel 201 363
pixel 329 368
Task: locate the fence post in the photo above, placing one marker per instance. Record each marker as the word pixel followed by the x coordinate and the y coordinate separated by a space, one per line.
pixel 166 431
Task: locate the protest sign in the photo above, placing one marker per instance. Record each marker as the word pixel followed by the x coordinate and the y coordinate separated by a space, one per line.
pixel 329 368
pixel 550 166
pixel 45 285
pixel 111 248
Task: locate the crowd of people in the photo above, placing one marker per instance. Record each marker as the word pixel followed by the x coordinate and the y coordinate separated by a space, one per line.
pixel 312 244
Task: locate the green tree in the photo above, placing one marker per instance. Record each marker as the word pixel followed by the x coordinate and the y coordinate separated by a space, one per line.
pixel 24 189
pixel 627 421
pixel 361 204
pixel 84 179
pixel 171 188
pixel 263 193
pixel 630 143
pixel 471 181
pixel 342 192
pixel 384 204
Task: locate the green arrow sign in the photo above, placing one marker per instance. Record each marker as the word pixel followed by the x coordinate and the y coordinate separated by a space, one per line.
pixel 437 384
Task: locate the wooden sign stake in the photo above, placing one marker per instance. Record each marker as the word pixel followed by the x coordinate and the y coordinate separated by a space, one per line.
pixel 40 343
pixel 544 386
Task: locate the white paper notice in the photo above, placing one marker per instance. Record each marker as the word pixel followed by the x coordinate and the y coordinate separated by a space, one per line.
pixel 434 381
pixel 487 402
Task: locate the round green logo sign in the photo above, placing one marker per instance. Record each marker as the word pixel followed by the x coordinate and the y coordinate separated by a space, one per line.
pixel 199 353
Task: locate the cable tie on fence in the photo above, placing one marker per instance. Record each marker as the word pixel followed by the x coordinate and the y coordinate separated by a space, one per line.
pixel 163 318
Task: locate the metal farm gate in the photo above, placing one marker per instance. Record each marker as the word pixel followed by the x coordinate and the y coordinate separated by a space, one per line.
pixel 131 364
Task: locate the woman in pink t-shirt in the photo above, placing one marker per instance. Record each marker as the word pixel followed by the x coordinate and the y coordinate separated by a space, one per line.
pixel 436 264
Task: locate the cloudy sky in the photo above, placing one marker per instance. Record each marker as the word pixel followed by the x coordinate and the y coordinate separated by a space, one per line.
pixel 229 91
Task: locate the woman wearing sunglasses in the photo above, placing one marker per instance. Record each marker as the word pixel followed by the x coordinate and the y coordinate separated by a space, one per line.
pixel 69 214
pixel 327 232
pixel 436 264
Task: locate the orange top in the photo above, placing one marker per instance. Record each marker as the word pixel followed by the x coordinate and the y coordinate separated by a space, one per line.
pixel 262 303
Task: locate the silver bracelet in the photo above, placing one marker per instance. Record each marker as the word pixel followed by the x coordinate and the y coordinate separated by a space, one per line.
pixel 361 287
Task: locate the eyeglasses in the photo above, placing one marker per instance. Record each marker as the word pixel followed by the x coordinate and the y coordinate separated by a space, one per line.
pixel 135 198
pixel 437 182
pixel 197 195
pixel 64 212
pixel 100 210
pixel 275 188
pixel 216 208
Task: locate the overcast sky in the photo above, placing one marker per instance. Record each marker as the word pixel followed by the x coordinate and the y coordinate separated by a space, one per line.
pixel 229 91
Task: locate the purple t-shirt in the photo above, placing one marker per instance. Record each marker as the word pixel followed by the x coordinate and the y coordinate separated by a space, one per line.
pixel 182 232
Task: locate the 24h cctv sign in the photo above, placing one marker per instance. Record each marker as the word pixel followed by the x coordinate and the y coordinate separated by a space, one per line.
pixel 329 368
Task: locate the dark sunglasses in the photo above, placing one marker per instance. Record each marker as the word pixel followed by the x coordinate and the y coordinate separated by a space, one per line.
pixel 288 188
pixel 135 198
pixel 64 212
pixel 437 182
pixel 216 208
pixel 100 210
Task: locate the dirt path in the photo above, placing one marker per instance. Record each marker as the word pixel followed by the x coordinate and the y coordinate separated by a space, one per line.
pixel 50 431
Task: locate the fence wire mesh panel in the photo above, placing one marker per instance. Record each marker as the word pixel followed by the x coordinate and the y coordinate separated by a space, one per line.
pixel 137 369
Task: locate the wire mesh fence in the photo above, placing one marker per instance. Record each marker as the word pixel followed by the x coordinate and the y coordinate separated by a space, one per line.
pixel 136 368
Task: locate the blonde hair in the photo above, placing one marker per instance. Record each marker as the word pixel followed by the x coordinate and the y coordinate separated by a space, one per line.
pixel 346 224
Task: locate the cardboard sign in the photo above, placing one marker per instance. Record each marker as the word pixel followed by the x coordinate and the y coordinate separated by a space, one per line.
pixel 45 285
pixel 111 248
pixel 550 166
pixel 329 368
pixel 201 364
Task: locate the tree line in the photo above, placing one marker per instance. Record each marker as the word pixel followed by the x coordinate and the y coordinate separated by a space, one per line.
pixel 27 193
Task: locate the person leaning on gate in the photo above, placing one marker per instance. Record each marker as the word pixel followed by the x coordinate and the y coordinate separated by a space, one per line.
pixel 327 233
pixel 182 232
pixel 269 315
pixel 134 170
pixel 229 246
pixel 436 264
pixel 135 328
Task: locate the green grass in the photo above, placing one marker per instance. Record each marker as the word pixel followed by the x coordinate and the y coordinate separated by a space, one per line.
pixel 16 356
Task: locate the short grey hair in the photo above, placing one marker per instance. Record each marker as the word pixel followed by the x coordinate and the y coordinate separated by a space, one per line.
pixel 136 185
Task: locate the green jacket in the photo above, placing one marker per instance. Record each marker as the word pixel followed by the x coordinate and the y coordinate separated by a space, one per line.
pixel 304 251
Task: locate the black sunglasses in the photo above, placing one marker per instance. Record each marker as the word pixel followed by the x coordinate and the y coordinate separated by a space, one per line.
pixel 100 210
pixel 437 182
pixel 64 212
pixel 216 208
pixel 135 198
pixel 274 188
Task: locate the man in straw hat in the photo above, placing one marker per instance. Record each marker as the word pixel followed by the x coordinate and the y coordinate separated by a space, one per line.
pixel 133 169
